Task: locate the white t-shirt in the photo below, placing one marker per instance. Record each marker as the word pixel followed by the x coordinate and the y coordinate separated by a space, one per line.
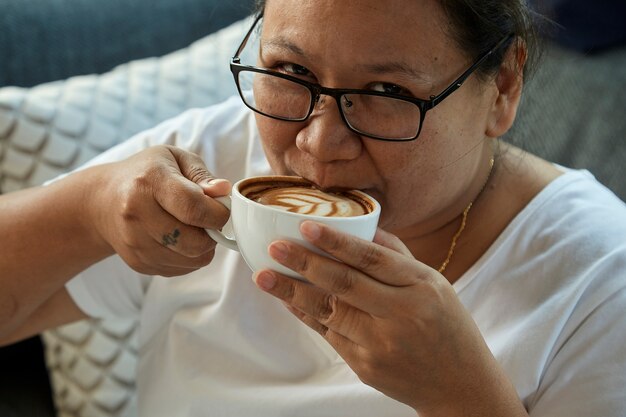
pixel 549 297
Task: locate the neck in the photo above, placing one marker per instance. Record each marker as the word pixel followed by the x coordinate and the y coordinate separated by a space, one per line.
pixel 440 247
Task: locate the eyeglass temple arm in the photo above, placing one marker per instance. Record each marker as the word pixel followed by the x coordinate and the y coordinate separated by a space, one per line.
pixel 434 100
pixel 236 59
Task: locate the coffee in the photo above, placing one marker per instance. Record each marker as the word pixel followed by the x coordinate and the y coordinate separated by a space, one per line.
pixel 270 208
pixel 299 196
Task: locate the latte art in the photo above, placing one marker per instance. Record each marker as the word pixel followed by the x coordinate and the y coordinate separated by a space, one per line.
pixel 306 199
pixel 311 201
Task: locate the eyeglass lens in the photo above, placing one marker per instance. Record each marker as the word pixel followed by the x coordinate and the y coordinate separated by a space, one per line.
pixel 371 115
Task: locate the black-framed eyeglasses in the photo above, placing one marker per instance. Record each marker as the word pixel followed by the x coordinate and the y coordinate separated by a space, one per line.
pixel 375 114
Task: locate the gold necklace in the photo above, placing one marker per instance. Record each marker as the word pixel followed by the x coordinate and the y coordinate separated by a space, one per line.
pixel 456 236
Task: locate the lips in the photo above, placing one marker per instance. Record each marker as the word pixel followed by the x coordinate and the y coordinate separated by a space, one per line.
pixel 329 184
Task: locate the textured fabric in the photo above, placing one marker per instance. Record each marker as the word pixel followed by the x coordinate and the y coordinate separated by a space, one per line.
pixel 548 296
pixel 573 113
pixel 46 40
pixel 54 127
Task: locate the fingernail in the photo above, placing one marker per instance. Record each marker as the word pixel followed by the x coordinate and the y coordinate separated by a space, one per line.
pixel 279 251
pixel 266 280
pixel 311 230
pixel 215 182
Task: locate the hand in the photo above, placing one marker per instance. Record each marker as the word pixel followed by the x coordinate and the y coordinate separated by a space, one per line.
pixel 152 210
pixel 396 322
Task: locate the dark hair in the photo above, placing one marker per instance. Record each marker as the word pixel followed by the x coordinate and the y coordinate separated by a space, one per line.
pixel 477 25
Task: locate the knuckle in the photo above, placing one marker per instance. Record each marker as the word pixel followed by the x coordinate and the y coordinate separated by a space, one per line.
pixel 323 331
pixel 203 260
pixel 316 325
pixel 288 290
pixel 327 309
pixel 371 257
pixel 197 173
pixel 336 242
pixel 137 265
pixel 304 264
pixel 369 369
pixel 193 212
pixel 205 245
pixel 344 283
pixel 129 207
pixel 146 178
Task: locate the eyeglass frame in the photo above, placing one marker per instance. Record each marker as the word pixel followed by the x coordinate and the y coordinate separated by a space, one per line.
pixel 318 90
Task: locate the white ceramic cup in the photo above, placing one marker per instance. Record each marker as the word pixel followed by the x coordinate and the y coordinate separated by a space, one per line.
pixel 255 226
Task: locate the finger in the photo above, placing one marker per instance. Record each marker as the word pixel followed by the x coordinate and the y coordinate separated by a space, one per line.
pixel 217 187
pixel 167 231
pixel 191 166
pixel 157 260
pixel 391 241
pixel 186 188
pixel 325 308
pixel 343 345
pixel 381 263
pixel 185 240
pixel 337 278
pixel 187 202
pixel 194 169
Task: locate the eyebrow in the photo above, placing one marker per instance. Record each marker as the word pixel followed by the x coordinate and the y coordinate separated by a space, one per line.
pixel 282 43
pixel 394 67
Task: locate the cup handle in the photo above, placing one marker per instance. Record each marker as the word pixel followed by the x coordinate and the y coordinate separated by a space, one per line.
pixel 220 237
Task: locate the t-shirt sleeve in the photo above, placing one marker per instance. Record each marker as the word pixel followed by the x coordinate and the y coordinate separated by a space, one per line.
pixel 587 375
pixel 109 289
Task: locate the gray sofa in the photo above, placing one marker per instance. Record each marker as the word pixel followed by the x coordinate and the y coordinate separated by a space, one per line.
pixel 47 40
pixel 572 111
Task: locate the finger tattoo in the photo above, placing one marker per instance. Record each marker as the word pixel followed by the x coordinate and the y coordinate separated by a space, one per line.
pixel 171 239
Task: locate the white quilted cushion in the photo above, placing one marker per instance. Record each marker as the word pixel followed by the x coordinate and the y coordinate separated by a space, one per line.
pixel 52 128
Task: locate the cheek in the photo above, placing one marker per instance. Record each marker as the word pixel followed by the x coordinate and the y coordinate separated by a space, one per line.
pixel 453 129
pixel 408 172
pixel 277 138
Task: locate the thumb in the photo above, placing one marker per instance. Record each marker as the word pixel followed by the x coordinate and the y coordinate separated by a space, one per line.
pixel 193 168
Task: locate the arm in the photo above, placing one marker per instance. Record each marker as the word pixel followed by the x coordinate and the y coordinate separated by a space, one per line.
pixel 47 239
pixel 57 310
pixel 151 209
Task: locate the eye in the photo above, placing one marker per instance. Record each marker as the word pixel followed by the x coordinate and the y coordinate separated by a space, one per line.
pixel 294 69
pixel 390 88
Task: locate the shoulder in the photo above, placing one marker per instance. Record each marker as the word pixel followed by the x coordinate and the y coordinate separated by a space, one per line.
pixel 551 202
pixel 577 207
pixel 549 293
pixel 567 241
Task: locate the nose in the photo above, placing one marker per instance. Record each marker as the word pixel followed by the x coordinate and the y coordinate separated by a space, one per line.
pixel 325 135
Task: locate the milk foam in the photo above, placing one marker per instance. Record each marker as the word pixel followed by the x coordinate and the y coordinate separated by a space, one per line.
pixel 311 201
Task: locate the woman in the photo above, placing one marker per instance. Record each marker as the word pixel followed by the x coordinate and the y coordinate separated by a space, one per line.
pixel 493 286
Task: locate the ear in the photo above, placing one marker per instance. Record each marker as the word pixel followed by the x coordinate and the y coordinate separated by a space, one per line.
pixel 509 82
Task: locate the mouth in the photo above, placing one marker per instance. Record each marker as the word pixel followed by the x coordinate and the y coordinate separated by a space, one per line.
pixel 332 179
pixel 332 186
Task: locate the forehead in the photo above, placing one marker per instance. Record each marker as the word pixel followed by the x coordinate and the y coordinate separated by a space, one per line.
pixel 365 28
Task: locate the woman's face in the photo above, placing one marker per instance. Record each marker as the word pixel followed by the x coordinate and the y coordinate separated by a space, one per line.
pixel 399 45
